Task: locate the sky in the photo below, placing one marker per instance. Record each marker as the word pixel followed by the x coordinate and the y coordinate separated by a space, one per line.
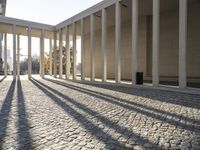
pixel 47 11
pixel 44 11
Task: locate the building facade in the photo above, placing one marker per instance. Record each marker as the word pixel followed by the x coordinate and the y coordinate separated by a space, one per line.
pixel 168 42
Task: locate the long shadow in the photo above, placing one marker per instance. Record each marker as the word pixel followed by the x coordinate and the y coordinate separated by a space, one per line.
pixel 145 110
pixel 2 79
pixel 95 130
pixel 24 136
pixel 188 100
pixel 80 89
pixel 5 111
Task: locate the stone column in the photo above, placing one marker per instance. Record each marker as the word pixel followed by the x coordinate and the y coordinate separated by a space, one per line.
pixel 50 57
pixel 18 56
pixel 182 43
pixel 55 55
pixel 117 42
pixel 5 56
pixel 1 38
pixel 92 63
pixel 29 54
pixel 156 36
pixel 104 44
pixel 60 54
pixel 74 51
pixel 82 51
pixel 42 53
pixel 134 40
pixel 67 54
pixel 1 60
pixel 14 52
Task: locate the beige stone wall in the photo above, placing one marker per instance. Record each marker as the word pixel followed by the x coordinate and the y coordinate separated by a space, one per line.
pixel 169 42
pixel 169 36
pixel 125 51
pixel 168 46
pixel 193 53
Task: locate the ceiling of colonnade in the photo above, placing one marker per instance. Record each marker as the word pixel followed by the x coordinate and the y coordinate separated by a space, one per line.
pixel 145 8
pixel 6 28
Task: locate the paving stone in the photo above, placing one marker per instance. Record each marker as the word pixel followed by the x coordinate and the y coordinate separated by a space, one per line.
pixel 148 145
pixel 57 114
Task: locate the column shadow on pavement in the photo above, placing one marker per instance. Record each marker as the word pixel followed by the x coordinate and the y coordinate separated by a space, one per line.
pixel 24 137
pixel 104 137
pixel 142 109
pixel 5 112
pixel 156 94
pixel 2 79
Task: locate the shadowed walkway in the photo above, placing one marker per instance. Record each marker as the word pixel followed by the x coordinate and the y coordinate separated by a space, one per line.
pixel 56 114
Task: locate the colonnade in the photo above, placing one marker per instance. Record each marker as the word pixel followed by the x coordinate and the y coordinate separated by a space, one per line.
pixel 134 62
pixel 16 53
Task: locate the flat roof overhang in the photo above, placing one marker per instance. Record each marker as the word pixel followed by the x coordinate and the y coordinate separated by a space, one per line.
pixel 6 24
pixel 145 8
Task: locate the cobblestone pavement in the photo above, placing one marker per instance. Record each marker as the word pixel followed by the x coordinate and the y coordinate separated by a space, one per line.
pixel 50 114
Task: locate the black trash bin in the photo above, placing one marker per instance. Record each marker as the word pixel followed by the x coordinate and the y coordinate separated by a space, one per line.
pixel 139 78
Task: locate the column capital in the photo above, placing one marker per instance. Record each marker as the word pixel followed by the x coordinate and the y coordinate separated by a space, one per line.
pixel 29 28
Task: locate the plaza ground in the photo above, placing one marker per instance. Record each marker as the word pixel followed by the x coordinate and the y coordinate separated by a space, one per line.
pixel 54 114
